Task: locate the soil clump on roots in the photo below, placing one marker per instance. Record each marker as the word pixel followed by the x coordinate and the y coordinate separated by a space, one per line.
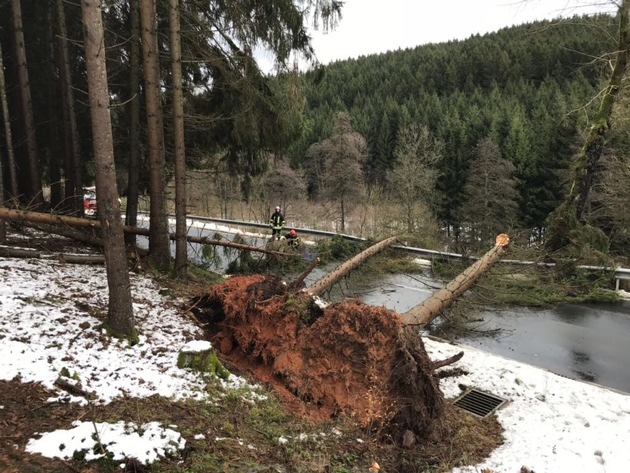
pixel 348 359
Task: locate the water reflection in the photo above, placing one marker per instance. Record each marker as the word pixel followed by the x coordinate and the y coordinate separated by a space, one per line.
pixel 581 361
pixel 584 342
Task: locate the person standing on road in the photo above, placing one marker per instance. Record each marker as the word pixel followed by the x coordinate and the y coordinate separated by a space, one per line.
pixel 277 222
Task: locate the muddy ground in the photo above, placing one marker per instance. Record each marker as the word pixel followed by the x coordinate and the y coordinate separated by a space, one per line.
pixel 347 360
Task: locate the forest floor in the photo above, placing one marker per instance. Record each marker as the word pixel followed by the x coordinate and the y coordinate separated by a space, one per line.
pixel 275 433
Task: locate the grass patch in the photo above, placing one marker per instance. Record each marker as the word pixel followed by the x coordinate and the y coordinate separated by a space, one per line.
pixel 235 433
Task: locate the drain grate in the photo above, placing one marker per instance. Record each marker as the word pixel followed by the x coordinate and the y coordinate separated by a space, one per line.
pixel 479 403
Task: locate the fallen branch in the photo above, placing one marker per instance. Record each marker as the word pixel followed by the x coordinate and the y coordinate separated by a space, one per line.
pixel 297 284
pixel 8 252
pixel 70 387
pixel 82 259
pixel 448 361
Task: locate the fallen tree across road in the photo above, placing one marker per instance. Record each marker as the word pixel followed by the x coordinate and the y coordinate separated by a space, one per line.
pixel 64 221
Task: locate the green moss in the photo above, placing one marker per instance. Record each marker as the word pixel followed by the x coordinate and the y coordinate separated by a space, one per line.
pixel 64 372
pixel 204 362
pixel 132 339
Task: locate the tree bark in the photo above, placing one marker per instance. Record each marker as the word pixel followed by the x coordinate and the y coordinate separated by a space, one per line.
pixel 8 135
pixel 35 185
pixel 342 270
pixel 81 259
pixel 131 211
pixel 181 256
pixel 159 248
pixel 7 252
pixel 74 177
pixel 52 151
pixel 430 308
pixel 120 309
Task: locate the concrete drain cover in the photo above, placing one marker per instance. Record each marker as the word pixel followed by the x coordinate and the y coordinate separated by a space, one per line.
pixel 479 403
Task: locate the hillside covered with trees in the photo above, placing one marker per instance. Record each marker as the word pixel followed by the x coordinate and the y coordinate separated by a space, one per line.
pixel 506 109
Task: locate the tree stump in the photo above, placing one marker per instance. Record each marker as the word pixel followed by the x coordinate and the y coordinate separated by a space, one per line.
pixel 199 355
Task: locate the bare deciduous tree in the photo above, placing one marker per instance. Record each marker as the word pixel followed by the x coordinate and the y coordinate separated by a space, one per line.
pixel 566 221
pixel 337 165
pixel 411 183
pixel 611 197
pixel 490 207
pixel 284 185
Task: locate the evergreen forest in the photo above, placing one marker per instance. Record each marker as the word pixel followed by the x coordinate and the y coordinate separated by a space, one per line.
pixel 527 92
pixel 465 139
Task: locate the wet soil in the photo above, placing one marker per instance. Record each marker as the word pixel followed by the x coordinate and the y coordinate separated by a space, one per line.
pixel 347 360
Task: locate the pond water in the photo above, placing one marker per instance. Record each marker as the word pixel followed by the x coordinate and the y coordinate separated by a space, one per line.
pixel 588 342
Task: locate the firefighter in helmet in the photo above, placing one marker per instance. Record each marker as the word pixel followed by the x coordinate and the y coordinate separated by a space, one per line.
pixel 277 222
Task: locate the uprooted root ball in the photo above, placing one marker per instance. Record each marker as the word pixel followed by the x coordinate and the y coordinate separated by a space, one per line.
pixel 349 359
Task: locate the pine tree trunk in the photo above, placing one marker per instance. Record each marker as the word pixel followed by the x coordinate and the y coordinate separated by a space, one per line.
pixel 53 152
pixel 74 176
pixel 131 211
pixel 181 256
pixel 344 269
pixel 8 135
pixel 120 309
pixel 158 240
pixel 430 308
pixel 35 185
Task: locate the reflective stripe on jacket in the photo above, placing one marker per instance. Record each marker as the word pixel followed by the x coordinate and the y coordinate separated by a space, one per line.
pixel 277 220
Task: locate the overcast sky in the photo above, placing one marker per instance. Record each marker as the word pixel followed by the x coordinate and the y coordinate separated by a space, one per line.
pixel 374 26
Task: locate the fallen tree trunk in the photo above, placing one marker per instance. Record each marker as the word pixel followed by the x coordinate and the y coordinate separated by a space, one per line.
pixel 81 259
pixel 53 219
pixel 430 308
pixel 61 220
pixel 342 270
pixel 211 241
pixel 8 252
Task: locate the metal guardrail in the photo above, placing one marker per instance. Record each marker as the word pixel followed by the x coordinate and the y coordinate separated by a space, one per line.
pixel 619 273
pixel 306 231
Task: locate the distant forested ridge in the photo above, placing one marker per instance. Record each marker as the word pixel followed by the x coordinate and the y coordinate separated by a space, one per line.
pixel 527 89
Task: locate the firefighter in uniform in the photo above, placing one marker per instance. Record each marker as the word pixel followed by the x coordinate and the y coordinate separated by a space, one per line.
pixel 277 223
